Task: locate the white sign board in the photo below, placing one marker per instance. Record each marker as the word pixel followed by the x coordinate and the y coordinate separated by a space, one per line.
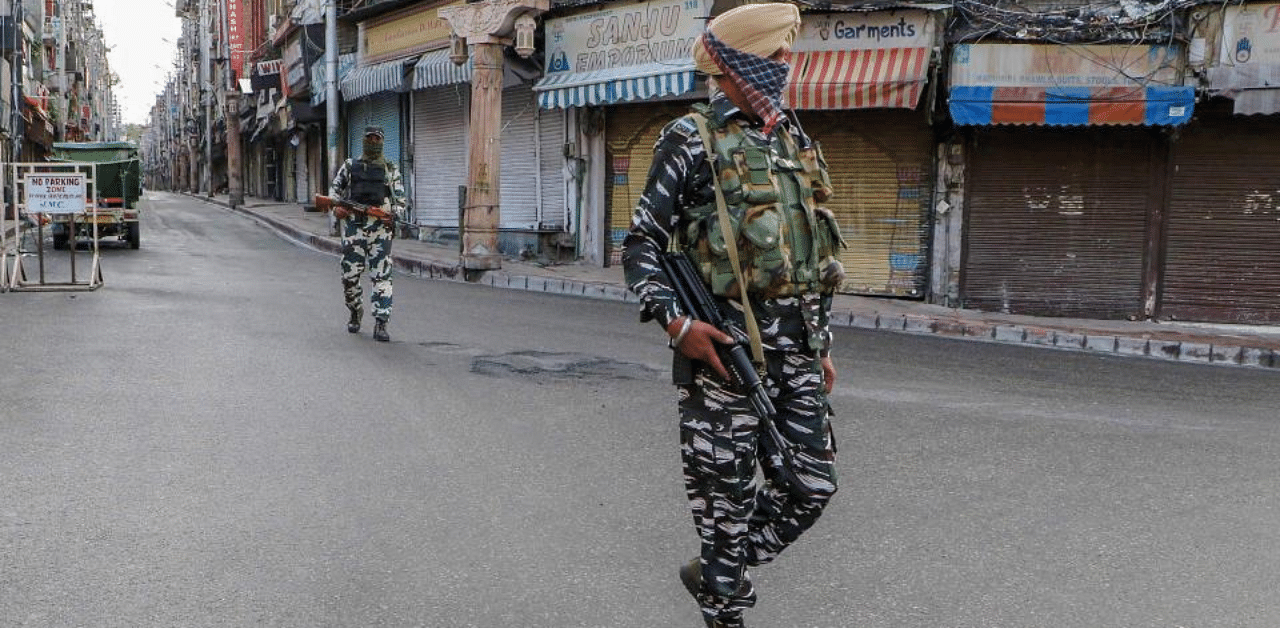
pixel 1251 46
pixel 61 193
pixel 864 31
pixel 658 31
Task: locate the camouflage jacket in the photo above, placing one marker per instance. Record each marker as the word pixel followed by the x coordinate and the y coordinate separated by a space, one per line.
pixel 680 178
pixel 396 199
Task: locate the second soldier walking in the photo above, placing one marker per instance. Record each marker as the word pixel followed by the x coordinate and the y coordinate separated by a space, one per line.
pixel 372 181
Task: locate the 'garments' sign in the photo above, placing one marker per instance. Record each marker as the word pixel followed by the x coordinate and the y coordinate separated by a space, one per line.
pixel 864 31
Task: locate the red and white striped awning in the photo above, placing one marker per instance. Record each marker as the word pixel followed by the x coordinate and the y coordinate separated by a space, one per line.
pixel 858 79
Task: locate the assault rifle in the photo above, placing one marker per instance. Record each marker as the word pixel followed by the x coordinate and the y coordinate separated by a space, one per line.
pixel 697 302
pixel 327 203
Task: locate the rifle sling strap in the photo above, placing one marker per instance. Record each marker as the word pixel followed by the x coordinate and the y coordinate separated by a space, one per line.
pixel 730 242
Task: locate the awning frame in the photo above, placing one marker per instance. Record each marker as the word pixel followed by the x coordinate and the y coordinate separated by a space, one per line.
pixel 367 80
pixel 983 105
pixel 436 69
pixel 615 85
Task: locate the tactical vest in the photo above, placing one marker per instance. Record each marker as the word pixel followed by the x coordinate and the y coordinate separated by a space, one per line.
pixel 368 182
pixel 787 244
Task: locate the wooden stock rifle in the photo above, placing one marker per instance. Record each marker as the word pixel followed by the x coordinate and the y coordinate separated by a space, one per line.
pixel 328 203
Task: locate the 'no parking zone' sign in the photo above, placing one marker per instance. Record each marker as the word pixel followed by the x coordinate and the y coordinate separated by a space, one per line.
pixel 55 193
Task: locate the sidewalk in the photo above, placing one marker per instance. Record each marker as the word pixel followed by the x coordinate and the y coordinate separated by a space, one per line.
pixel 1233 345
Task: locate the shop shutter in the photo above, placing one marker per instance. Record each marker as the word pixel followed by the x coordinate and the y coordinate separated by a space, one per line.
pixel 382 110
pixel 519 194
pixel 881 164
pixel 441 126
pixel 1056 221
pixel 630 133
pixel 302 175
pixel 1221 262
pixel 551 134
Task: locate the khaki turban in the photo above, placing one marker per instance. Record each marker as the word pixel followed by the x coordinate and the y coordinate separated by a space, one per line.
pixel 758 29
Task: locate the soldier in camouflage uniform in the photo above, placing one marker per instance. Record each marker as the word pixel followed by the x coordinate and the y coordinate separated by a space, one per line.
pixel 366 240
pixel 772 177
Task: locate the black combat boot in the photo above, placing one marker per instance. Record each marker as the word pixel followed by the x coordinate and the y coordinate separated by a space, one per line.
pixel 353 325
pixel 380 331
pixel 691 578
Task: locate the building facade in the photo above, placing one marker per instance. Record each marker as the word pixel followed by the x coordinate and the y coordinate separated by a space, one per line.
pixel 1061 158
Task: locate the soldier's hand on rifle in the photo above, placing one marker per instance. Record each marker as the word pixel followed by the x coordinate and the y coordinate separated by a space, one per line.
pixel 698 343
pixel 340 212
pixel 388 221
pixel 828 374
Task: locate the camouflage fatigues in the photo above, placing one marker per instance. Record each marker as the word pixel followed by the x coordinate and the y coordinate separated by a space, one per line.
pixel 741 522
pixel 366 245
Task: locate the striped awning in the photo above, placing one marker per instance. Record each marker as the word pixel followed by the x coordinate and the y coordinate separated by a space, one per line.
pixel 365 80
pixel 858 79
pixel 435 69
pixel 602 87
pixel 1070 106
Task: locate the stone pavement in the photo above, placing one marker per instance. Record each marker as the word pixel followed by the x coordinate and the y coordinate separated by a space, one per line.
pixel 1228 345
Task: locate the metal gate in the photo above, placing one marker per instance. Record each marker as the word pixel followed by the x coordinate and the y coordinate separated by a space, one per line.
pixel 881 164
pixel 630 134
pixel 1221 261
pixel 1056 221
pixel 39 191
pixel 439 153
pixel 377 110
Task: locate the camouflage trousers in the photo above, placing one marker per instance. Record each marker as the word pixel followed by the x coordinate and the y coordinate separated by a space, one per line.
pixel 744 521
pixel 366 245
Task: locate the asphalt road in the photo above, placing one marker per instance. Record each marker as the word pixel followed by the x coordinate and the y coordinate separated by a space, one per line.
pixel 200 443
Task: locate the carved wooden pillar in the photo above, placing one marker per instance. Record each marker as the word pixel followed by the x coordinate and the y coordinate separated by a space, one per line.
pixel 487 27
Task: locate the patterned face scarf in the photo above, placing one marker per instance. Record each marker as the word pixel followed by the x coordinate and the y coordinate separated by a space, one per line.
pixel 372 150
pixel 759 79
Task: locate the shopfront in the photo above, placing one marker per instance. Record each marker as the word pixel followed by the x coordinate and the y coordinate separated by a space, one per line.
pixel 857 82
pixel 624 72
pixel 441 119
pixel 1066 170
pixel 1221 261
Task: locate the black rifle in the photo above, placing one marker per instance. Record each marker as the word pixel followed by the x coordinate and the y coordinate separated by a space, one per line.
pixel 696 300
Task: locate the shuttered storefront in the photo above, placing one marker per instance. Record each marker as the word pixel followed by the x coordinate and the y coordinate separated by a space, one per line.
pixel 440 122
pixel 519 192
pixel 1222 260
pixel 382 109
pixel 553 178
pixel 880 162
pixel 1056 221
pixel 630 133
pixel 301 175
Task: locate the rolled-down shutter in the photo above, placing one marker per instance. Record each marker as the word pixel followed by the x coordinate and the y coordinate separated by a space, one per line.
pixel 1056 221
pixel 377 110
pixel 630 133
pixel 551 134
pixel 519 194
pixel 880 162
pixel 440 153
pixel 301 174
pixel 1222 262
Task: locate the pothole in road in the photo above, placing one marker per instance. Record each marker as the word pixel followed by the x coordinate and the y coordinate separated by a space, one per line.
pixel 559 366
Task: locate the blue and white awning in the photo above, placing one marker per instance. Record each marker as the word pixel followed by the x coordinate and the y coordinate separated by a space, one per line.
pixel 603 87
pixel 435 69
pixel 367 80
